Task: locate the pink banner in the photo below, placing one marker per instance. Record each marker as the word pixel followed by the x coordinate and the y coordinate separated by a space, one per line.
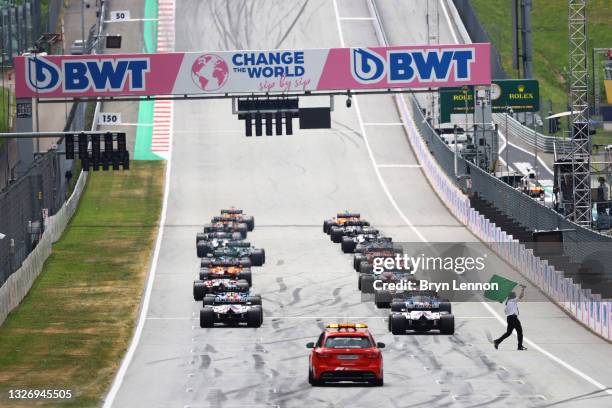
pixel 276 71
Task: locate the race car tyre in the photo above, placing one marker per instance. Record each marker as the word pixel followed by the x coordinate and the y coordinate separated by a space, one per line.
pixel 246 262
pixel 311 379
pixel 348 245
pixel 397 306
pixel 367 283
pixel 258 257
pixel 357 261
pixel 204 274
pixel 200 236
pixel 209 299
pixel 447 324
pixel 205 262
pixel 243 285
pixel 204 248
pixel 250 222
pixel 382 299
pixel 379 382
pixel 247 276
pixel 398 322
pixel 198 290
pixel 445 307
pixel 326 225
pixel 242 229
pixel 365 267
pixel 207 317
pixel 255 316
pixel 232 211
pixel 336 234
pixel 359 283
pixel 254 300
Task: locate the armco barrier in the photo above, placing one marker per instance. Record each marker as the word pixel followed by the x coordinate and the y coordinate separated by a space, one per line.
pixel 587 308
pixel 545 143
pixel 19 283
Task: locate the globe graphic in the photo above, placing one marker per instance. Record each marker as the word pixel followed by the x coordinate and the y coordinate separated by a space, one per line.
pixel 209 72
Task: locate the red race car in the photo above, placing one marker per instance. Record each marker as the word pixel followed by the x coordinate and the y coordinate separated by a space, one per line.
pixel 345 352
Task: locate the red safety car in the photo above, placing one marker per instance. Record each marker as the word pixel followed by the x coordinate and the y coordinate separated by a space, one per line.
pixel 345 352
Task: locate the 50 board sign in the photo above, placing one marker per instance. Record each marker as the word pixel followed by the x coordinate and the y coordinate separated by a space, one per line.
pixel 277 71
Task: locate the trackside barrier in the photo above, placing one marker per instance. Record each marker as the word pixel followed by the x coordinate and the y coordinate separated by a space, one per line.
pixel 586 307
pixel 19 283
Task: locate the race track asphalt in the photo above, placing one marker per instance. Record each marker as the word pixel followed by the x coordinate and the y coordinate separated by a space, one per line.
pixel 290 184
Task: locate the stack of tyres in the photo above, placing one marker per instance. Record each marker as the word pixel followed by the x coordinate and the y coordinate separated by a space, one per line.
pixel 225 277
pixel 418 311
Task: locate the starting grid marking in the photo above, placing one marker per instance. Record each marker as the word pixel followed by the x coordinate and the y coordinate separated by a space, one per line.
pixel 163 110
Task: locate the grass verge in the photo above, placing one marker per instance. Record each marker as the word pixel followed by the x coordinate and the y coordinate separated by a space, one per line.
pixel 73 327
pixel 549 42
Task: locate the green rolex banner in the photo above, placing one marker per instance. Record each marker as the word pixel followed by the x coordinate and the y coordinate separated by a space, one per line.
pixel 504 287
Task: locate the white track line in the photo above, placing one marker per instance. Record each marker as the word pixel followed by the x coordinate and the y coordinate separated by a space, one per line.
pixel 356 18
pixel 110 397
pixel 370 153
pixel 551 356
pixel 403 216
pixel 142 317
pixel 409 166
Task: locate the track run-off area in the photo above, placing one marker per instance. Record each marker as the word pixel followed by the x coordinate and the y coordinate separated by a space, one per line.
pixel 290 184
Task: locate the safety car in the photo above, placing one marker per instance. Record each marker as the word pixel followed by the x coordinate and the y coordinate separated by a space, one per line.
pixel 345 352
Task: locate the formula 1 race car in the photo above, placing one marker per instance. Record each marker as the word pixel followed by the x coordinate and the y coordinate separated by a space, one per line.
pixel 364 262
pixel 342 219
pixel 365 281
pixel 336 233
pixel 227 226
pixel 345 352
pixel 421 319
pixel 209 262
pixel 205 248
pixel 221 298
pixel 361 240
pixel 420 300
pixel 235 217
pixel 209 236
pixel 201 288
pixel 231 314
pixel 226 272
pixel 256 256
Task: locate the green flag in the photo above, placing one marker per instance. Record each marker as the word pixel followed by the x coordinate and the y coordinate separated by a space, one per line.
pixel 504 287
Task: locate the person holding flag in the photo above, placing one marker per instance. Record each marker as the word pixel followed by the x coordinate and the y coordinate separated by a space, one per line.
pixel 511 310
pixel 512 313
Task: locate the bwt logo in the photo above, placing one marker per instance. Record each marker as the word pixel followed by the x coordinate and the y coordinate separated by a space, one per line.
pixel 82 75
pixel 369 67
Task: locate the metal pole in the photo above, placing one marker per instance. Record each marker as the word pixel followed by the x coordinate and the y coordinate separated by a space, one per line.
pixel 507 137
pixel 83 24
pixel 455 135
pixel 535 134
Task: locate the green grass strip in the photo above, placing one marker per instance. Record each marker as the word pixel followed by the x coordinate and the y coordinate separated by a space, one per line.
pixel 74 326
pixel 144 134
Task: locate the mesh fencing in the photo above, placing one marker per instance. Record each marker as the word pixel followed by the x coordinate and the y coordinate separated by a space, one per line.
pixel 20 26
pixel 581 245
